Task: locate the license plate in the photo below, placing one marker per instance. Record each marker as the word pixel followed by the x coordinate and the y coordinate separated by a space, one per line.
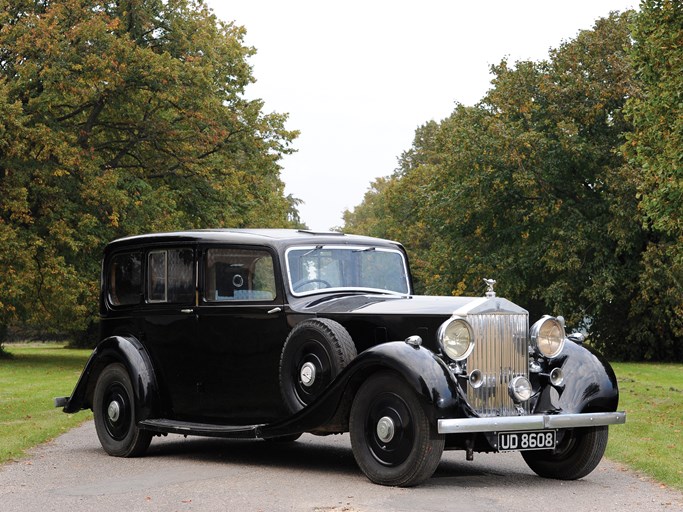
pixel 528 440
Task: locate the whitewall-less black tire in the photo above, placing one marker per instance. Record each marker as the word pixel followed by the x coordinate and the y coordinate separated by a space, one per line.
pixel 577 454
pixel 315 352
pixel 392 439
pixel 114 411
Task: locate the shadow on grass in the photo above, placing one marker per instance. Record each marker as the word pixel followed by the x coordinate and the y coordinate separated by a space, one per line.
pixel 53 357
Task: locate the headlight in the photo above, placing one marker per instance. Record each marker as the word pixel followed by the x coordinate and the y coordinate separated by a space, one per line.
pixel 556 377
pixel 547 335
pixel 520 389
pixel 456 338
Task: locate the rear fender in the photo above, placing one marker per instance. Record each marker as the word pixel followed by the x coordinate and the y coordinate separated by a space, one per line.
pixel 132 354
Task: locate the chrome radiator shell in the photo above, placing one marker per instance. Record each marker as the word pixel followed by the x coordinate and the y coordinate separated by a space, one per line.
pixel 501 353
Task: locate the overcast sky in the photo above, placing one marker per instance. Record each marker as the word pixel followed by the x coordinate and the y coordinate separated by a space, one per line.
pixel 358 77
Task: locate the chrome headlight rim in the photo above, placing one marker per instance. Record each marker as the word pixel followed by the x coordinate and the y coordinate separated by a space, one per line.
pixel 544 342
pixel 443 331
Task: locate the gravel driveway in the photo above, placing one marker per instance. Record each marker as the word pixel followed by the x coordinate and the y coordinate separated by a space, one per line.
pixel 315 474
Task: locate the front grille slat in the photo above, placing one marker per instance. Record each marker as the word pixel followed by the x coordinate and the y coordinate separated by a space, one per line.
pixel 501 354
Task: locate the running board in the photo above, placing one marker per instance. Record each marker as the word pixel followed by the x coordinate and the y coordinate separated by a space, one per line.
pixel 165 426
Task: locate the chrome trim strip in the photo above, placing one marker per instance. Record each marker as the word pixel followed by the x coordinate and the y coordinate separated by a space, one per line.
pixel 533 422
pixel 351 248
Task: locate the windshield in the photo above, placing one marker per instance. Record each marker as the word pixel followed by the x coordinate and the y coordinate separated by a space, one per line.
pixel 316 268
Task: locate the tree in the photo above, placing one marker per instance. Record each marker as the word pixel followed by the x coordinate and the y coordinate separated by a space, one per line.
pixel 293 217
pixel 542 180
pixel 122 117
pixel 530 187
pixel 655 147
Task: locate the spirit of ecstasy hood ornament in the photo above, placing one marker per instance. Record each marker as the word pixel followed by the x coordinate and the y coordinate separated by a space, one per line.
pixel 489 291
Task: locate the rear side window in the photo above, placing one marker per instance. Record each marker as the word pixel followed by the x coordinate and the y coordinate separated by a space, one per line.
pixel 239 275
pixel 171 276
pixel 125 279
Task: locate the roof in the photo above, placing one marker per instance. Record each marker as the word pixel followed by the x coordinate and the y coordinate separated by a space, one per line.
pixel 271 237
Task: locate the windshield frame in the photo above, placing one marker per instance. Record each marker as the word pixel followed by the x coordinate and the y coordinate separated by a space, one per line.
pixel 347 289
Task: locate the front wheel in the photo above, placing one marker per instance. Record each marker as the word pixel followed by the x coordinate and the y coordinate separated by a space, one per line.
pixel 577 455
pixel 392 439
pixel 114 411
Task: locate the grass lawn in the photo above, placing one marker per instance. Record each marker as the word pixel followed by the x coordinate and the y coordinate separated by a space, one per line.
pixel 651 394
pixel 652 439
pixel 28 384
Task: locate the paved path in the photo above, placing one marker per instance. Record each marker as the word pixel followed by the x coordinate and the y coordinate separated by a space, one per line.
pixel 315 474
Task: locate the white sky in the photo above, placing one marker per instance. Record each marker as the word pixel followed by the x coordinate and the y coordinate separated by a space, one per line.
pixel 358 77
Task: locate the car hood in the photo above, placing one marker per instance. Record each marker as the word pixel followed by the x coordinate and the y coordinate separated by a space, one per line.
pixel 403 305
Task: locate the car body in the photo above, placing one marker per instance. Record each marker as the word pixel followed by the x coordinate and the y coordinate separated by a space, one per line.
pixel 271 333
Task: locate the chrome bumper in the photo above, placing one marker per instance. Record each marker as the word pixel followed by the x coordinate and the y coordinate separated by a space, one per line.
pixel 533 422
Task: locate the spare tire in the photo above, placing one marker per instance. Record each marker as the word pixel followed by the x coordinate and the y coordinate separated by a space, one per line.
pixel 314 353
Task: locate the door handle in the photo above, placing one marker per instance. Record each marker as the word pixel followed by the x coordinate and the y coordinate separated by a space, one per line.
pixel 187 310
pixel 274 310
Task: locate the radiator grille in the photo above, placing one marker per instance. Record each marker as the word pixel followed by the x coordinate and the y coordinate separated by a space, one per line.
pixel 500 353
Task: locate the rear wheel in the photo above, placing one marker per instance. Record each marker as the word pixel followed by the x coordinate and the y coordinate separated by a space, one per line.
pixel 579 452
pixel 114 411
pixel 392 439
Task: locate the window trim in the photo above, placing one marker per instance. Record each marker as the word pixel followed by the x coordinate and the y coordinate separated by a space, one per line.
pixel 355 247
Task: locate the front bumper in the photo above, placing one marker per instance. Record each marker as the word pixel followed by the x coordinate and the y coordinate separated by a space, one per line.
pixel 532 422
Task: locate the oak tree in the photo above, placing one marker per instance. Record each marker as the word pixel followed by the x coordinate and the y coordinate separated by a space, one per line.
pixel 117 118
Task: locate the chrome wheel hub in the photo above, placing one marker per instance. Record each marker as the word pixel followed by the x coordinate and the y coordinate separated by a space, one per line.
pixel 307 374
pixel 385 429
pixel 114 411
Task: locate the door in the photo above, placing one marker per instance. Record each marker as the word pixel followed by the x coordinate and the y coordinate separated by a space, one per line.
pixel 170 324
pixel 242 329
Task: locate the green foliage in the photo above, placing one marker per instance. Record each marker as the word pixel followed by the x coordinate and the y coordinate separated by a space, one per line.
pixel 115 119
pixel 530 187
pixel 655 147
pixel 557 181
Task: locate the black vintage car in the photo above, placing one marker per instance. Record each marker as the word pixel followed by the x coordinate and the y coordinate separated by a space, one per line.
pixel 271 333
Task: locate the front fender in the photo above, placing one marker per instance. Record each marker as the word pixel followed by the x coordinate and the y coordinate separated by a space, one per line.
pixel 132 354
pixel 425 372
pixel 422 369
pixel 590 383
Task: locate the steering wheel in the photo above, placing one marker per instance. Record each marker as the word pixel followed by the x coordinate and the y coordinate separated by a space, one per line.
pixel 298 286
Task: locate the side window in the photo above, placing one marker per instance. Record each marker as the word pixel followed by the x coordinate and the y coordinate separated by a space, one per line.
pixel 156 271
pixel 170 276
pixel 239 274
pixel 125 279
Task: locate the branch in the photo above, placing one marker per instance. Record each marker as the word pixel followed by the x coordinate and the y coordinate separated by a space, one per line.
pixel 84 135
